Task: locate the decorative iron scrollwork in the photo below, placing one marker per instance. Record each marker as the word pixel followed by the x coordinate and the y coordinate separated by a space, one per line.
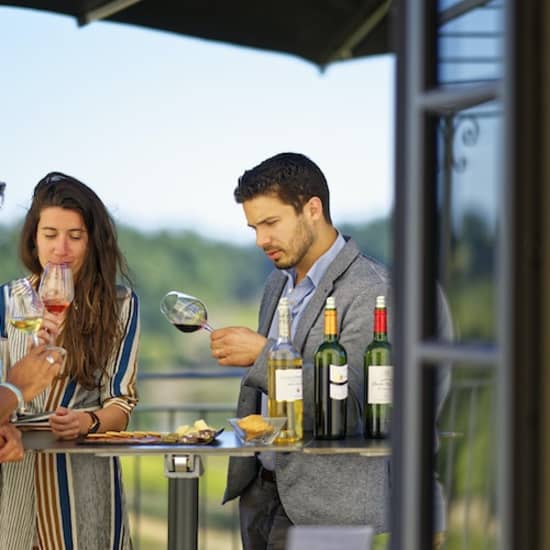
pixel 466 128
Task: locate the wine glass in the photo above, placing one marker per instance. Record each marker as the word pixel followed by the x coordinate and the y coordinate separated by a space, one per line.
pixel 185 312
pixel 25 308
pixel 56 287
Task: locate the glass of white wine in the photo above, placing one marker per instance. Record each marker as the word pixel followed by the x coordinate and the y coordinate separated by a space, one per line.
pixel 185 312
pixel 25 309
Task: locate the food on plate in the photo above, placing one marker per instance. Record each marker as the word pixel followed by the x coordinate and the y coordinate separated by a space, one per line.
pixel 140 433
pixel 254 426
pixel 124 435
pixel 198 426
pixel 199 432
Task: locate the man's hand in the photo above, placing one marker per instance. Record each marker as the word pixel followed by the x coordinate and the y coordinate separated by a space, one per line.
pixel 236 346
pixel 34 373
pixel 11 446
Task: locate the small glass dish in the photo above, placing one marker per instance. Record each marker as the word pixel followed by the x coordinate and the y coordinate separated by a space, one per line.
pixel 273 426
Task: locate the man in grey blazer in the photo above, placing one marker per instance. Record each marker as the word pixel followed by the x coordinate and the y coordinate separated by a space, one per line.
pixel 286 202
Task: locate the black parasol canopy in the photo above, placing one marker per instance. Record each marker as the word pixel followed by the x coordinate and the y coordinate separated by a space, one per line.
pixel 320 31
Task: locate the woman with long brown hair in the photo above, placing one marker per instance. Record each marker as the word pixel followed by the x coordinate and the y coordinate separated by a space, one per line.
pixel 60 501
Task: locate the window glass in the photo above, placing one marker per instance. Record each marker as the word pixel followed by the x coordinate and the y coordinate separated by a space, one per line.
pixel 469 44
pixel 468 143
pixel 466 459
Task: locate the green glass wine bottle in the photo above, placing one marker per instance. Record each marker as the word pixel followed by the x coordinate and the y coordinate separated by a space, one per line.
pixel 330 381
pixel 378 371
pixel 285 380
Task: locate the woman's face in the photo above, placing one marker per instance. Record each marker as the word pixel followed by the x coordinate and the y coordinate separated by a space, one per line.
pixel 61 237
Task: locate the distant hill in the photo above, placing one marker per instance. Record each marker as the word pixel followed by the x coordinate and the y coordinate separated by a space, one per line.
pixel 228 278
pixel 374 238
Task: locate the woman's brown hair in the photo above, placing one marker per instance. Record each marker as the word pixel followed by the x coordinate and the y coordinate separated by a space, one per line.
pixel 92 331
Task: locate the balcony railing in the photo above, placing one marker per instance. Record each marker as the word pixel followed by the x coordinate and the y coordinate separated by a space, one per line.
pixel 461 416
pixel 168 417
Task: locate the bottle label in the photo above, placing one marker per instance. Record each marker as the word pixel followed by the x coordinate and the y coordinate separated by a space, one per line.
pixel 288 384
pixel 338 391
pixel 338 373
pixel 380 385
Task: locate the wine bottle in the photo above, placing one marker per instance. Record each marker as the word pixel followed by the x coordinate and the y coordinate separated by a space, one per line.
pixel 378 376
pixel 285 380
pixel 330 381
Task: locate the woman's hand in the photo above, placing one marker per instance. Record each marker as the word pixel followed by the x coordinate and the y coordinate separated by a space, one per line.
pixel 50 327
pixel 68 423
pixel 11 446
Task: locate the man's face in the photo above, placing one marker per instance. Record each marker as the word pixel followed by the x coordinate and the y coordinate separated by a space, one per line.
pixel 281 233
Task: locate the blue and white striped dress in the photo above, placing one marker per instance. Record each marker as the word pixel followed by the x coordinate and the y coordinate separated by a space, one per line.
pixel 62 501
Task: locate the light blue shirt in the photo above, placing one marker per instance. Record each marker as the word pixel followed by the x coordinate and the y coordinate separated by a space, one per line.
pixel 300 295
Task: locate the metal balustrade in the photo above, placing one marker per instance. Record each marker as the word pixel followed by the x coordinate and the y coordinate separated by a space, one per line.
pixel 152 416
pixel 463 391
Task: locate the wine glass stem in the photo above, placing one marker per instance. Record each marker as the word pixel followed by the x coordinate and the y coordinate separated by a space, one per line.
pixel 35 340
pixel 207 327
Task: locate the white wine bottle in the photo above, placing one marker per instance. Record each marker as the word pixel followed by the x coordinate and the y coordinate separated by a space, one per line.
pixel 330 381
pixel 378 377
pixel 285 381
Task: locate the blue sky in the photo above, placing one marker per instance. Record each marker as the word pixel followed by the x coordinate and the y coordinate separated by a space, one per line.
pixel 161 126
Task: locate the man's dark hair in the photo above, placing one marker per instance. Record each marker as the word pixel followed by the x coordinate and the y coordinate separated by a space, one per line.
pixel 291 177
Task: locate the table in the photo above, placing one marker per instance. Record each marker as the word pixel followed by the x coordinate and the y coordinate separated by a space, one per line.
pixel 183 467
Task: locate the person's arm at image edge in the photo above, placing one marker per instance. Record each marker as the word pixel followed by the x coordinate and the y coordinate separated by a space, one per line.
pixel 8 403
pixel 11 445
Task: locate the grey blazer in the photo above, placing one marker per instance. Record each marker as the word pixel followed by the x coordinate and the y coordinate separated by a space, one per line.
pixel 333 490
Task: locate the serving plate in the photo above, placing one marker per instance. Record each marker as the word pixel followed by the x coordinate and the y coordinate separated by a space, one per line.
pixel 203 437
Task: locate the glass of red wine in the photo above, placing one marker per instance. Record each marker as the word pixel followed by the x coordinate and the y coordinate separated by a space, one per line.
pixel 56 287
pixel 185 312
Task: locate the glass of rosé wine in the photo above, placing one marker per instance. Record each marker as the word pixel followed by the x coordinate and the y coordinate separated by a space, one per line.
pixel 56 287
